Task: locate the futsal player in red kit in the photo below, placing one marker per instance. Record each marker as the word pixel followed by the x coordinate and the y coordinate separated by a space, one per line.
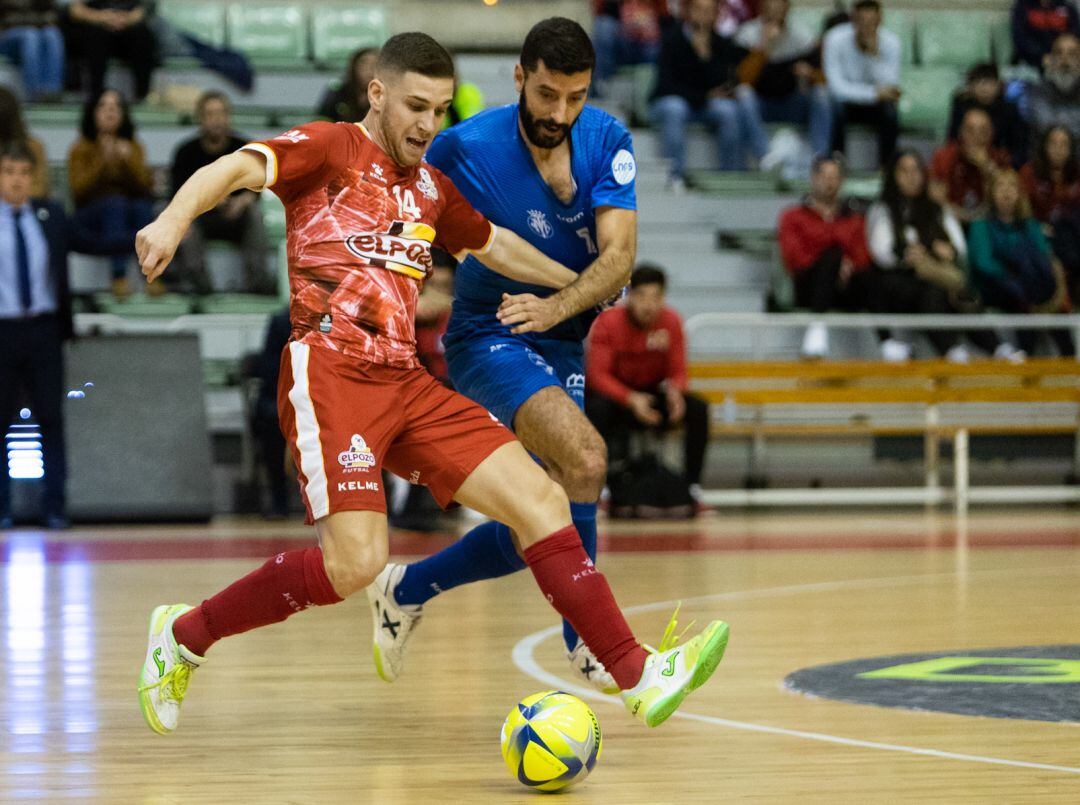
pixel 362 213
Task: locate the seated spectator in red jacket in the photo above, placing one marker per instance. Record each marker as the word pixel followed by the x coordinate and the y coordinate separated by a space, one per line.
pixel 961 169
pixel 1051 181
pixel 635 373
pixel 823 247
pixel 1035 26
pixel 983 90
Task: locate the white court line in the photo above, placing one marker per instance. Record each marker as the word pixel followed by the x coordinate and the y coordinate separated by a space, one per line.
pixel 524 660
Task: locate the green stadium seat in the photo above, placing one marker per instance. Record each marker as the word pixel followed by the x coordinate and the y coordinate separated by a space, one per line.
pixel 206 20
pixel 1001 36
pixel 901 21
pixel 337 31
pixel 238 303
pixel 810 19
pixel 271 35
pixel 927 95
pixel 954 38
pixel 168 306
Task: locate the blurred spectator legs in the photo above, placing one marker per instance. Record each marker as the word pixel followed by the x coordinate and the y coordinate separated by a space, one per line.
pixel 672 114
pixel 107 226
pixel 818 287
pixel 811 108
pixel 1007 294
pixel 614 50
pixel 39 52
pixel 90 47
pixel 882 117
pixel 270 448
pixel 247 232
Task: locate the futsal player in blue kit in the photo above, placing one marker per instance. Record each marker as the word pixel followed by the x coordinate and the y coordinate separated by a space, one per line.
pixel 561 175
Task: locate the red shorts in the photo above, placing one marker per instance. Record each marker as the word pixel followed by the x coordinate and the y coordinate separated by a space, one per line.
pixel 346 419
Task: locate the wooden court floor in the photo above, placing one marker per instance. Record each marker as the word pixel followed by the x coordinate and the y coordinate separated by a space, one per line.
pixel 294 713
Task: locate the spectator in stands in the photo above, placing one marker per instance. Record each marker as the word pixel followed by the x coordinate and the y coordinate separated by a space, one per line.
pixel 961 168
pixel 734 13
pixel 29 37
pixel 110 185
pixel 695 82
pixel 780 81
pixel 625 32
pixel 862 67
pixel 919 252
pixel 237 219
pixel 269 441
pixel 1035 26
pixel 1012 264
pixel 35 319
pixel 1056 99
pixel 635 371
pixel 13 131
pixel 823 247
pixel 99 30
pixel 348 101
pixel 983 90
pixel 1051 181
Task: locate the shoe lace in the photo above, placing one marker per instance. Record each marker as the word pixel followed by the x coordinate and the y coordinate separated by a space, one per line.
pixel 670 639
pixel 174 684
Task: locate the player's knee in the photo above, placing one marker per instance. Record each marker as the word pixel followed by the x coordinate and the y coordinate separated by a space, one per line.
pixel 586 477
pixel 353 565
pixel 546 511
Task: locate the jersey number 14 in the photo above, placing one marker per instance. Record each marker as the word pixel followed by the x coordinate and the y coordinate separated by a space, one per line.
pixel 406 203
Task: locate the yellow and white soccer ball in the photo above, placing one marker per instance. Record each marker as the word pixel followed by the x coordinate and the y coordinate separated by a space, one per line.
pixel 551 741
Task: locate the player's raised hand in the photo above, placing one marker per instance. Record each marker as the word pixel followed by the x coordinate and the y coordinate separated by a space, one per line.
pixel 528 313
pixel 155 245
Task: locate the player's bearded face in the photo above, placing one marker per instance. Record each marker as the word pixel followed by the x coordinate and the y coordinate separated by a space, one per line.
pixel 550 104
pixel 411 108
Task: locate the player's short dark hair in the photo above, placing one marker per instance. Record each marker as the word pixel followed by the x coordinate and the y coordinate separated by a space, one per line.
pixel 211 95
pixel 19 151
pixel 866 5
pixel 648 274
pixel 561 44
pixel 415 52
pixel 835 158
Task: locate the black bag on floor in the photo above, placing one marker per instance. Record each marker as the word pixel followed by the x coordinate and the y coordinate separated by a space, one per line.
pixel 646 488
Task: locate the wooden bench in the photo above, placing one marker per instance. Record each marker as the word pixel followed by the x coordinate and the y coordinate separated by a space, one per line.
pixel 933 398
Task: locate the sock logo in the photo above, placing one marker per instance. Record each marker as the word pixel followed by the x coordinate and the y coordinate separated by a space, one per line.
pixel 158 662
pixel 293 603
pixel 670 670
pixel 590 570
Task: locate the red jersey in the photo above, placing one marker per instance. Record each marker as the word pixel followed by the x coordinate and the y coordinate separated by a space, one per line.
pixel 359 232
pixel 622 357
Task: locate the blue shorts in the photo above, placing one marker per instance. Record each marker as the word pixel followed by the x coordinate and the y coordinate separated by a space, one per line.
pixel 501 371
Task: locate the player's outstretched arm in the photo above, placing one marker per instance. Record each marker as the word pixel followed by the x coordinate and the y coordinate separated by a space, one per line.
pixel 156 243
pixel 512 256
pixel 616 235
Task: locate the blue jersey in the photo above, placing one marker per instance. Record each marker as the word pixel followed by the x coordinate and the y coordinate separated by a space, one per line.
pixel 488 160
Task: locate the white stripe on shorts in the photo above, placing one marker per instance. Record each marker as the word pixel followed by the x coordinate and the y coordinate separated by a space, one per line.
pixel 307 433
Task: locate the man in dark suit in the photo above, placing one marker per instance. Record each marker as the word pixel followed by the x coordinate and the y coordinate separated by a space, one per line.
pixel 35 320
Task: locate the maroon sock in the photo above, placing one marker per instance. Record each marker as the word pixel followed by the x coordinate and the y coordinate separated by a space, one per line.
pixel 580 593
pixel 289 583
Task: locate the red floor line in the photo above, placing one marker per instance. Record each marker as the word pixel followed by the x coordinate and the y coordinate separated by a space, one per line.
pixel 415 544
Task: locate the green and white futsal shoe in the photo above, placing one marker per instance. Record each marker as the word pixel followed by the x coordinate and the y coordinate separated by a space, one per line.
pixel 392 622
pixel 673 671
pixel 590 670
pixel 163 681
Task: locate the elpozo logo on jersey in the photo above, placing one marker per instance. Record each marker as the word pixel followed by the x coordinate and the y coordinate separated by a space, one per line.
pixel 623 167
pixel 358 456
pixel 406 248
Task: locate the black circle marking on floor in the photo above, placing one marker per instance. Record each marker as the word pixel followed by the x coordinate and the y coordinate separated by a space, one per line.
pixel 1037 683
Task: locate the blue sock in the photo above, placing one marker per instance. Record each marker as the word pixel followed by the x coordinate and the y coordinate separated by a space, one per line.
pixel 584 517
pixel 486 552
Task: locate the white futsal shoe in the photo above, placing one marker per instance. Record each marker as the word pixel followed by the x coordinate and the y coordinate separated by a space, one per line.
pixel 166 671
pixel 392 623
pixel 589 669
